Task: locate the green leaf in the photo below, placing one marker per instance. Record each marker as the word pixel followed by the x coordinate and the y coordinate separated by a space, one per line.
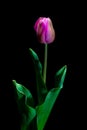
pixel 60 77
pixel 25 102
pixel 41 86
pixel 27 117
pixel 23 92
pixel 43 111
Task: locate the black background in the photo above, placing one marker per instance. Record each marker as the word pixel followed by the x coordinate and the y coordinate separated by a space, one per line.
pixel 18 35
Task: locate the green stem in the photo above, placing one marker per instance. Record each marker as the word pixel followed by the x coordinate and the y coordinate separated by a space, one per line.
pixel 45 64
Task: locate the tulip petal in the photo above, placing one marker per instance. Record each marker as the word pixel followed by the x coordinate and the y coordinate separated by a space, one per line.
pixel 44 30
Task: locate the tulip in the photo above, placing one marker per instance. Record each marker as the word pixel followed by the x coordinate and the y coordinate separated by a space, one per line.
pixel 44 30
pixel 46 35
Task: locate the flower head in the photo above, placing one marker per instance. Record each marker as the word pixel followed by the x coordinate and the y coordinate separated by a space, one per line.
pixel 44 30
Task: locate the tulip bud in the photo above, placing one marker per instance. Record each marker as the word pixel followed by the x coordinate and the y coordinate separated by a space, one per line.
pixel 44 30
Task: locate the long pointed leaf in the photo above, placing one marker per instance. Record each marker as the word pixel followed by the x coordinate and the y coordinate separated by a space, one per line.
pixel 43 111
pixel 60 77
pixel 41 86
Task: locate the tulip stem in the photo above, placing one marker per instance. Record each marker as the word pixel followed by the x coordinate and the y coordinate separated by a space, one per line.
pixel 45 64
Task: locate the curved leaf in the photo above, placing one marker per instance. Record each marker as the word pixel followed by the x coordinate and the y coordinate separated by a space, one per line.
pixel 43 111
pixel 41 86
pixel 27 117
pixel 23 92
pixel 25 102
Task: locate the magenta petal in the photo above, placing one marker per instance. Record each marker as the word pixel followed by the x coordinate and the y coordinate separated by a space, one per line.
pixel 37 23
pixel 44 30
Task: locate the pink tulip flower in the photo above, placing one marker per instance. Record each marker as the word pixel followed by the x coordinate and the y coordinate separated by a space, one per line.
pixel 44 30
